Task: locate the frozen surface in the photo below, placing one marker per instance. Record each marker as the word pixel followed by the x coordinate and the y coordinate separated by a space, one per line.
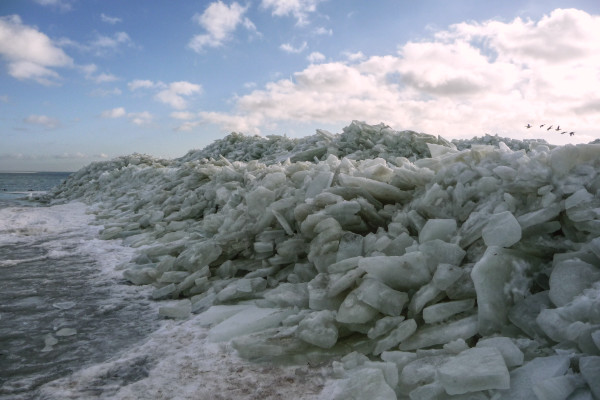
pixel 372 250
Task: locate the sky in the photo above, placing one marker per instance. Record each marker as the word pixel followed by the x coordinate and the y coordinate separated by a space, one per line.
pixel 90 80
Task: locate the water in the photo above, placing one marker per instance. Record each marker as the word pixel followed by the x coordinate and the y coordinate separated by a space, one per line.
pixel 15 187
pixel 57 278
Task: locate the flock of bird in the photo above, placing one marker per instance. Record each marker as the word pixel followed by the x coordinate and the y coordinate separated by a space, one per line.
pixel 550 127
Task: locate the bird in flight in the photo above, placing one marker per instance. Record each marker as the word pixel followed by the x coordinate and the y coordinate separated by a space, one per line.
pixel 542 125
pixel 558 128
pixel 550 127
pixel 528 126
pixel 571 133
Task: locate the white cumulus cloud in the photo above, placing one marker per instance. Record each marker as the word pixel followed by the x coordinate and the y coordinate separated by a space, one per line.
pixel 288 48
pixel 220 21
pixel 472 78
pixel 110 20
pixel 173 94
pixel 43 120
pixel 299 9
pixel 30 54
pixel 140 118
pixel 63 5
pixel 315 57
pixel 141 84
pixel 114 113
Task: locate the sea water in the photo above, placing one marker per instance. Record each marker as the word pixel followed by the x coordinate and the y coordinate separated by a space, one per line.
pixel 18 187
pixel 63 305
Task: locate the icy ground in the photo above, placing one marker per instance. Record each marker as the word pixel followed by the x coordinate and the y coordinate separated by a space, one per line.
pixel 400 264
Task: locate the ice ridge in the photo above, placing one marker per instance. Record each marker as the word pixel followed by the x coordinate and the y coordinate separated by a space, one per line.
pixel 427 269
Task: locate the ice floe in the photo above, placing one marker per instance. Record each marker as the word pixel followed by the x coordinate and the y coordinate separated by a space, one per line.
pixel 426 269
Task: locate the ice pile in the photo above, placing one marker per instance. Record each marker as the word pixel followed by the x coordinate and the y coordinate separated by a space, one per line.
pixel 426 271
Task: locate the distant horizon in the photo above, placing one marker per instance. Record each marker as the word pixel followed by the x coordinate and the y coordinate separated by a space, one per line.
pixel 88 81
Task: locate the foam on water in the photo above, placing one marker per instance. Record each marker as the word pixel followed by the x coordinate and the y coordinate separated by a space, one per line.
pixel 62 302
pixel 178 361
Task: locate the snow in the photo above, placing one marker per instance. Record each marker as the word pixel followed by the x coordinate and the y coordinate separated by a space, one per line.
pixel 468 268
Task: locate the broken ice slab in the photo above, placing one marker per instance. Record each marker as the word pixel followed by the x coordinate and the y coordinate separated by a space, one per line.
pixel 218 313
pixel 432 335
pixel 344 282
pixel 398 272
pixel 473 370
pixel 523 379
pixel 318 329
pixel 242 289
pixel 383 192
pixel 512 355
pixel 65 305
pixel 569 278
pixel 502 230
pixel 590 370
pixel 381 297
pixel 140 276
pixel 164 292
pixel 49 342
pixel 539 216
pixel 66 332
pixel 173 276
pixel 289 295
pixel 442 311
pixel 180 310
pixel 251 319
pixel 383 326
pixel 558 388
pixel 426 294
pixel 397 335
pixel 418 372
pixel 524 313
pixel 442 229
pixel 445 275
pixel 490 275
pixel 354 311
pixel 365 383
pixel 344 265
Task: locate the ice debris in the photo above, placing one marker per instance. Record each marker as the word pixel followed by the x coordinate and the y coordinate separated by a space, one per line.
pixel 430 269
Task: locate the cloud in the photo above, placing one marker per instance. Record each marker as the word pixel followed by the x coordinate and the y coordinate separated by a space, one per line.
pixel 323 31
pixel 173 94
pixel 69 156
pixel 141 84
pixel 89 70
pixel 43 120
pixel 219 21
pixel 110 20
pixel 30 53
pixel 106 92
pixel 188 126
pixel 288 48
pixel 140 118
pixel 104 78
pixel 114 113
pixel 103 44
pixel 63 5
pixel 183 115
pixel 354 56
pixel 315 57
pixel 469 79
pixel 298 9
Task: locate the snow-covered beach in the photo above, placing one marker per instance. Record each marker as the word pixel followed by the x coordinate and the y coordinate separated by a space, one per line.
pixel 367 264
